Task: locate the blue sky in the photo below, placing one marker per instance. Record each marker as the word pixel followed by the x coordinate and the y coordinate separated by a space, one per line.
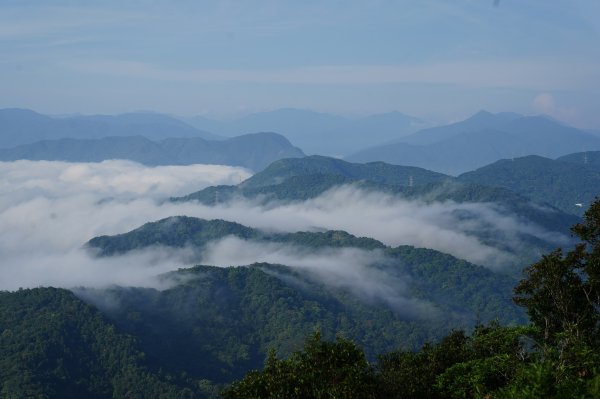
pixel 438 59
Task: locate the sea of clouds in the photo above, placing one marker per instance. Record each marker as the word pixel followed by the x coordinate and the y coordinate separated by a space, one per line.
pixel 49 210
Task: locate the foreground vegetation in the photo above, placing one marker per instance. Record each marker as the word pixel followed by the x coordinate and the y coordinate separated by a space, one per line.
pixel 556 356
pixel 53 345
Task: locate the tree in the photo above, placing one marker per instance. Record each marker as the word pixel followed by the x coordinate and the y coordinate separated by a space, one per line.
pixel 322 370
pixel 562 293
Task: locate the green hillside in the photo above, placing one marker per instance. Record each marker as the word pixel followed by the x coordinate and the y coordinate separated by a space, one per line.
pixel 377 172
pixel 587 159
pixel 53 345
pixel 560 184
pixel 230 317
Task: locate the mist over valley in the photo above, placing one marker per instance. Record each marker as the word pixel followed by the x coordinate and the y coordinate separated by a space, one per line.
pixel 228 199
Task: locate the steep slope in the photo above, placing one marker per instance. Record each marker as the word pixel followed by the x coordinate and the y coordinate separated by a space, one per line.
pixel 561 184
pixel 253 151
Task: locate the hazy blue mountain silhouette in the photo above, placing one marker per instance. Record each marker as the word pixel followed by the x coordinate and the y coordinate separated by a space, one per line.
pixel 253 151
pixel 479 140
pixel 22 126
pixel 316 132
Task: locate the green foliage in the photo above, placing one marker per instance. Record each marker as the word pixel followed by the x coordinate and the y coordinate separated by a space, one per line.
pixel 558 183
pixel 176 231
pixel 558 356
pixel 562 293
pixel 539 380
pixel 377 172
pixel 179 231
pixel 505 202
pixel 459 366
pixel 322 370
pixel 52 345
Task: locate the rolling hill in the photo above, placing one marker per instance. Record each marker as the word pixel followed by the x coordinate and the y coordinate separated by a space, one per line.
pixel 53 345
pixel 431 276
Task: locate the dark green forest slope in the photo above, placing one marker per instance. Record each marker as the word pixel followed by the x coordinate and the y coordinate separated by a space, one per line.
pixel 180 231
pixel 588 159
pixel 558 183
pixel 450 292
pixel 556 356
pixel 377 172
pixel 53 345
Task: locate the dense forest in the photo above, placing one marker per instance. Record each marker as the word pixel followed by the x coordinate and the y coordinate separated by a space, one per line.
pixel 556 356
pixel 193 339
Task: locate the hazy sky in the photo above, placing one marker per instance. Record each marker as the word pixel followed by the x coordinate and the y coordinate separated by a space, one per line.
pixel 440 59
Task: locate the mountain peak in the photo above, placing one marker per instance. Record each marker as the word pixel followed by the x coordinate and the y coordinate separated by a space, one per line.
pixel 482 115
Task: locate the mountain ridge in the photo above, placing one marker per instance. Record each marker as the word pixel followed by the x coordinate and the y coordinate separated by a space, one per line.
pixel 479 140
pixel 253 151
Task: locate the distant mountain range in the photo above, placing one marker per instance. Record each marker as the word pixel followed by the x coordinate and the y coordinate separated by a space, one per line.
pixel 252 151
pixel 482 139
pixel 156 139
pixel 22 126
pixel 319 133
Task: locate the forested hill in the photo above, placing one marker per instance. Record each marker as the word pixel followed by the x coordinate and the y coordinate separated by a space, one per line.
pixel 557 182
pixel 377 172
pixel 194 233
pixel 218 323
pixel 587 159
pixel 53 345
pixel 252 151
pixel 180 231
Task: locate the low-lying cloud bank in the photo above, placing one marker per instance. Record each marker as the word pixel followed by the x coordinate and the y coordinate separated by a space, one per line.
pixel 444 226
pixel 48 210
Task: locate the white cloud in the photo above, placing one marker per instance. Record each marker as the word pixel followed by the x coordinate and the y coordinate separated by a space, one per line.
pixel 48 210
pixel 391 220
pixel 346 268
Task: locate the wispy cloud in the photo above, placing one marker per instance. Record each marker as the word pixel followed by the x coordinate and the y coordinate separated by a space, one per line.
pixel 48 210
pixel 346 268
